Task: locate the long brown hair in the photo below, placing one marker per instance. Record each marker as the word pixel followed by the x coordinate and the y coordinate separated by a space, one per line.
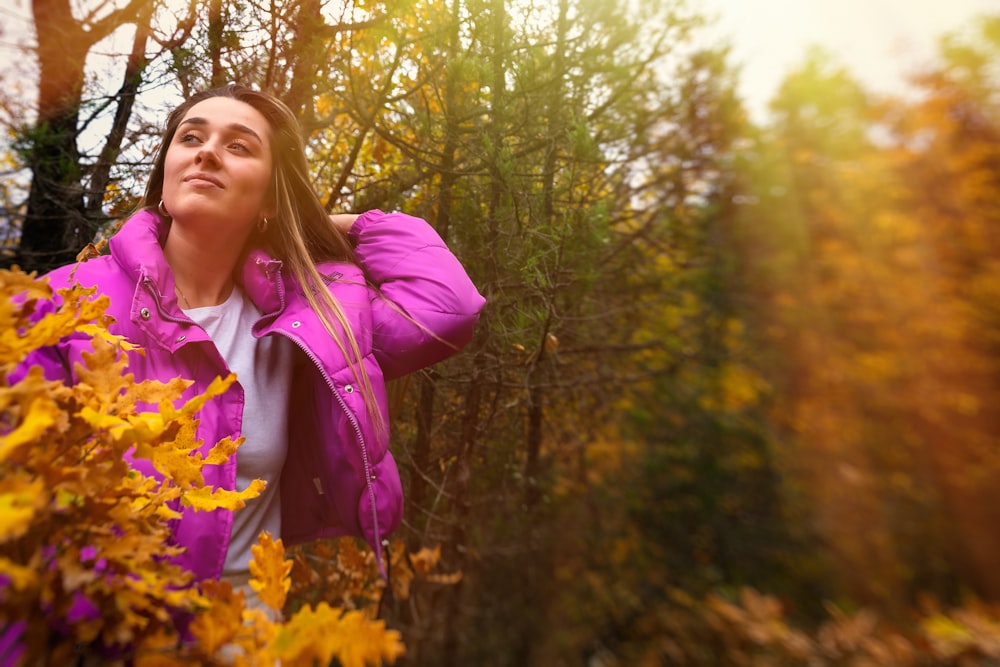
pixel 301 235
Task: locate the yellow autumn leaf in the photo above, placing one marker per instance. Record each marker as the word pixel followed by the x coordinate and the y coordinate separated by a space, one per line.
pixel 153 392
pixel 101 333
pixel 154 650
pixel 445 579
pixel 148 424
pixel 124 546
pixel 402 573
pixel 12 313
pixel 425 560
pixel 164 512
pixel 19 500
pixel 16 342
pixel 222 450
pixel 103 368
pixel 216 387
pixel 39 412
pixel 269 570
pixel 20 576
pixel 324 633
pixel 208 498
pixel 942 627
pixel 16 281
pixel 324 104
pixel 218 625
pixel 175 463
pixel 367 642
pixel 113 424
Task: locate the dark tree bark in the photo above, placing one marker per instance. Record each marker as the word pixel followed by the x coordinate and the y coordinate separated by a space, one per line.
pixel 216 30
pixel 55 221
pixel 536 391
pixel 56 224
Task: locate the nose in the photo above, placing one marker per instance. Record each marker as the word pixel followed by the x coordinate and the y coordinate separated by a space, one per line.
pixel 207 154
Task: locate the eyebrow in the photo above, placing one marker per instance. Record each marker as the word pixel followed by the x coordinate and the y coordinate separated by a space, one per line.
pixel 237 127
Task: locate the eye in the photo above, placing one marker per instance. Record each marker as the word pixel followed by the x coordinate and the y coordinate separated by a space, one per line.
pixel 188 138
pixel 239 146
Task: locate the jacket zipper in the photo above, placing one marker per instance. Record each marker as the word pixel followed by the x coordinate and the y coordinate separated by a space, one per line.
pixel 357 432
pixel 377 546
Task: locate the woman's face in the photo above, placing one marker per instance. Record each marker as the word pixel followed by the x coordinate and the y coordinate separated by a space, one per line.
pixel 218 168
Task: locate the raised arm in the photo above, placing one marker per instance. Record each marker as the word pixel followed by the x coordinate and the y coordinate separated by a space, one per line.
pixel 427 306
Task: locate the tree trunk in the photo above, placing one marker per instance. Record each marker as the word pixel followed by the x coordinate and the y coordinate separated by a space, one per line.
pixel 216 29
pixel 55 225
pixel 536 394
pixel 310 28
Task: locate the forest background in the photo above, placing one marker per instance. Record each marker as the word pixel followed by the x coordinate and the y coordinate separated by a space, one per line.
pixel 733 395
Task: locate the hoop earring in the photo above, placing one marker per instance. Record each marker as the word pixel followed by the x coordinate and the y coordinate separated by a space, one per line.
pixel 262 225
pixel 162 209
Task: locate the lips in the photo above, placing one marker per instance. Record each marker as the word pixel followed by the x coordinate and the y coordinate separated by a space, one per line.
pixel 203 179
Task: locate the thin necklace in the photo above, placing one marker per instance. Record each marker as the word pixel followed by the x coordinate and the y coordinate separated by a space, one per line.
pixel 180 293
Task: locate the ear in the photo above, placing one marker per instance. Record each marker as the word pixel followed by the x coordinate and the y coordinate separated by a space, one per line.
pixel 269 207
pixel 269 210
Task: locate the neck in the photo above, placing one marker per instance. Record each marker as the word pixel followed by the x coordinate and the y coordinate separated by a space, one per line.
pixel 203 272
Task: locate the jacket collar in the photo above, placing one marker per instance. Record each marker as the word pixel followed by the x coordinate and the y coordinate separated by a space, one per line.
pixel 138 250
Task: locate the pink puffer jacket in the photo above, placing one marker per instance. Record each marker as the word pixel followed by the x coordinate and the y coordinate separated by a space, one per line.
pixel 339 476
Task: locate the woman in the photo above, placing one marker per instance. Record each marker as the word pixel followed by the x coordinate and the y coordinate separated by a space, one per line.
pixel 233 265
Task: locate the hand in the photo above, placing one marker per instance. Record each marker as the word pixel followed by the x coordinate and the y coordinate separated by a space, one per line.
pixel 344 221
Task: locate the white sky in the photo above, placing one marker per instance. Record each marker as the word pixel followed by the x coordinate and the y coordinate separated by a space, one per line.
pixel 879 41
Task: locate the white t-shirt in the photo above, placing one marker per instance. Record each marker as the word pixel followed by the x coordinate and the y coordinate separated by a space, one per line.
pixel 263 369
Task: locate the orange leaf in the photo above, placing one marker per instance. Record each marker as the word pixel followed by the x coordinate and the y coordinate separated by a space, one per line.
pixel 269 571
